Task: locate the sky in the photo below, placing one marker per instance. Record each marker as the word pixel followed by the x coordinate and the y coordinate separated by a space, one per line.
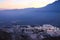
pixel 21 4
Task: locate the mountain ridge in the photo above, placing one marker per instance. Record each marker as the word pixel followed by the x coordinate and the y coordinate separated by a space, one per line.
pixel 49 7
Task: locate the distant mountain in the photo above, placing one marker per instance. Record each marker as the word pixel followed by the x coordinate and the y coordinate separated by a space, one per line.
pixel 55 6
pixel 47 15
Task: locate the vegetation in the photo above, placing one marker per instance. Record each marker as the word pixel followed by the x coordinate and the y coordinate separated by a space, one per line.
pixel 52 38
pixel 5 35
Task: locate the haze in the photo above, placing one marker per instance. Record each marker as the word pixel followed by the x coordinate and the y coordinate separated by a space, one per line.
pixel 21 4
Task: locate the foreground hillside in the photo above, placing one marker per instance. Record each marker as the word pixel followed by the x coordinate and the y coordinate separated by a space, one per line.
pixel 28 32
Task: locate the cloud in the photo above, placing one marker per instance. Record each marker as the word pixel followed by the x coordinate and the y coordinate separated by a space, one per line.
pixel 19 4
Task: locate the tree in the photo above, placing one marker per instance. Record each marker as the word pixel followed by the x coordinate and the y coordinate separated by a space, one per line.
pixel 4 35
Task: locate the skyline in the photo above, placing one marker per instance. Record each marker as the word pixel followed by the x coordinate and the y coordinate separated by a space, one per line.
pixel 21 4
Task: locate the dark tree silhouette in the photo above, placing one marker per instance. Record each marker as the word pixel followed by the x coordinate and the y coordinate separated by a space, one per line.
pixel 52 38
pixel 4 35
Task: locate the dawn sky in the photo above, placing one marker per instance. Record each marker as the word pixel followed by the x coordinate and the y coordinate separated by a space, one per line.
pixel 20 4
